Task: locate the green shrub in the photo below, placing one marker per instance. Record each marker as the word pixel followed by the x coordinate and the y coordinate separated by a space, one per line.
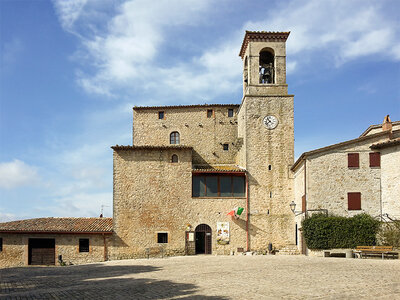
pixel 329 232
pixel 389 234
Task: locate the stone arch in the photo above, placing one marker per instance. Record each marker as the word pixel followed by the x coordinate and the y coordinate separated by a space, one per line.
pixel 203 236
pixel 174 158
pixel 267 66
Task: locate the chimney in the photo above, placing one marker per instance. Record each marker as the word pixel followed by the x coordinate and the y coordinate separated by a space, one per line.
pixel 387 124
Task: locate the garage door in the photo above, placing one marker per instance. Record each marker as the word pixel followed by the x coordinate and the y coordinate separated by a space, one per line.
pixel 42 251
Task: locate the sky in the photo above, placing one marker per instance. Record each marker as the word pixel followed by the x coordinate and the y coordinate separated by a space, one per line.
pixel 71 71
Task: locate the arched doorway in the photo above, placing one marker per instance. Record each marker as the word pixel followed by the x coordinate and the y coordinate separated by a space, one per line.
pixel 203 239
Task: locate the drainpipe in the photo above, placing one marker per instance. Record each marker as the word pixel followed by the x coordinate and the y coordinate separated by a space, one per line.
pixel 247 214
pixel 305 185
pixel 105 247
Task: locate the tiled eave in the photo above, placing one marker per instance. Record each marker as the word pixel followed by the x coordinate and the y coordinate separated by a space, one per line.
pixel 177 147
pixel 59 225
pixel 184 106
pixel 225 169
pixel 53 232
pixel 386 144
pixel 262 36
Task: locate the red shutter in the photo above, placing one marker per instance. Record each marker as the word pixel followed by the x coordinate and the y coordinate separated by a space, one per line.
pixel 303 203
pixel 353 160
pixel 374 159
pixel 354 201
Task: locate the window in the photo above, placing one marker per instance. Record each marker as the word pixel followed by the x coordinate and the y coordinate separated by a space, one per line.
pixel 210 185
pixel 374 159
pixel 353 160
pixel 226 147
pixel 174 137
pixel 83 245
pixel 269 167
pixel 162 237
pixel 209 113
pixel 303 203
pixel 230 112
pixel 1 244
pixel 174 158
pixel 354 201
pixel 161 115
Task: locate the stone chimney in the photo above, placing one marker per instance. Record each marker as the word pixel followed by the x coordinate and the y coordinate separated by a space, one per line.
pixel 387 124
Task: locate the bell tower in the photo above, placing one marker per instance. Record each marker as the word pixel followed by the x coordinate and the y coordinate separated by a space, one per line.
pixel 264 62
pixel 266 131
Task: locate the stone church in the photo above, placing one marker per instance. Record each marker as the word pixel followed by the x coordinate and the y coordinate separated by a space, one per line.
pixel 221 179
pixel 190 165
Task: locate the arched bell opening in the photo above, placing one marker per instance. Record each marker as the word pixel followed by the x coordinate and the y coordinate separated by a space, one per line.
pixel 203 239
pixel 267 66
pixel 245 73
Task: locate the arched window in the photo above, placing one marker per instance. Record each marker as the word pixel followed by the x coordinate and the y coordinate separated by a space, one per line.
pixel 267 66
pixel 245 73
pixel 174 137
pixel 174 158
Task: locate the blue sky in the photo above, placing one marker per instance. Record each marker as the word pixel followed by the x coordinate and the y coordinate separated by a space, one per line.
pixel 71 70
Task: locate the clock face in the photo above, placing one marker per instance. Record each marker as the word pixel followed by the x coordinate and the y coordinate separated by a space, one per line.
pixel 270 122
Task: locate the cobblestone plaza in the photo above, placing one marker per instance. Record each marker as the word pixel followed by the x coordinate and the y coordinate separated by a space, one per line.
pixel 209 277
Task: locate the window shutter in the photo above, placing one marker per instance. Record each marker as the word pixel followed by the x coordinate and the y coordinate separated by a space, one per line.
pixel 353 160
pixel 375 159
pixel 303 203
pixel 354 201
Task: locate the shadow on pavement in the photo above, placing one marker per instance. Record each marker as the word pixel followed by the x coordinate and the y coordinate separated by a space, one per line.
pixel 94 281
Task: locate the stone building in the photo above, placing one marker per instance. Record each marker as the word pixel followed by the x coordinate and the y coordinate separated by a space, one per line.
pixel 356 176
pixel 54 241
pixel 188 166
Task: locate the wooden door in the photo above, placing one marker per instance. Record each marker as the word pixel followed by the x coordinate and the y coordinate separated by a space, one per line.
pixel 203 239
pixel 41 252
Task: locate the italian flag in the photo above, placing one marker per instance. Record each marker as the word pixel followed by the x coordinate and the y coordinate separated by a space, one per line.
pixel 236 212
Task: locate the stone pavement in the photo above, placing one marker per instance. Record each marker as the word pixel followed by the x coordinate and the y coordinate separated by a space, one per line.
pixel 209 277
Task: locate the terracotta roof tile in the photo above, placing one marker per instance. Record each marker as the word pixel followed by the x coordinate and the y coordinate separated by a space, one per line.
pixel 262 36
pixel 64 225
pixel 385 144
pixel 174 147
pixel 183 106
pixel 218 169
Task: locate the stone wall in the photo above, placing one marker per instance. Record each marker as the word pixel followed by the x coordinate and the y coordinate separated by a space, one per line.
pixel 390 165
pixel 205 135
pixel 15 248
pixel 161 201
pixel 329 179
pixel 270 190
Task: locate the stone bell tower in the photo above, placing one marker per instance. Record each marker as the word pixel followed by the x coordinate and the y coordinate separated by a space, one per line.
pixel 265 128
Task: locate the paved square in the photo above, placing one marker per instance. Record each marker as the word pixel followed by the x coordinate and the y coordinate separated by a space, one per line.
pixel 209 277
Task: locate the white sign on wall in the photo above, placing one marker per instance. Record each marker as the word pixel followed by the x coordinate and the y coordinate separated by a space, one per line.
pixel 223 233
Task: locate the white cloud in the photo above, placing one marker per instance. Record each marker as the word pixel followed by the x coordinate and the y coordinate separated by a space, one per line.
pixel 69 11
pixel 6 217
pixel 81 204
pixel 16 174
pixel 11 51
pixel 128 53
pixel 341 30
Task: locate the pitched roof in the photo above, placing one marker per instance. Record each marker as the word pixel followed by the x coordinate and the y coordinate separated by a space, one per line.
pixel 330 147
pixel 148 147
pixel 375 127
pixel 59 225
pixel 385 144
pixel 262 36
pixel 183 106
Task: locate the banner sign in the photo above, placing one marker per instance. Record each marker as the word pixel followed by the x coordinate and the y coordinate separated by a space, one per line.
pixel 223 233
